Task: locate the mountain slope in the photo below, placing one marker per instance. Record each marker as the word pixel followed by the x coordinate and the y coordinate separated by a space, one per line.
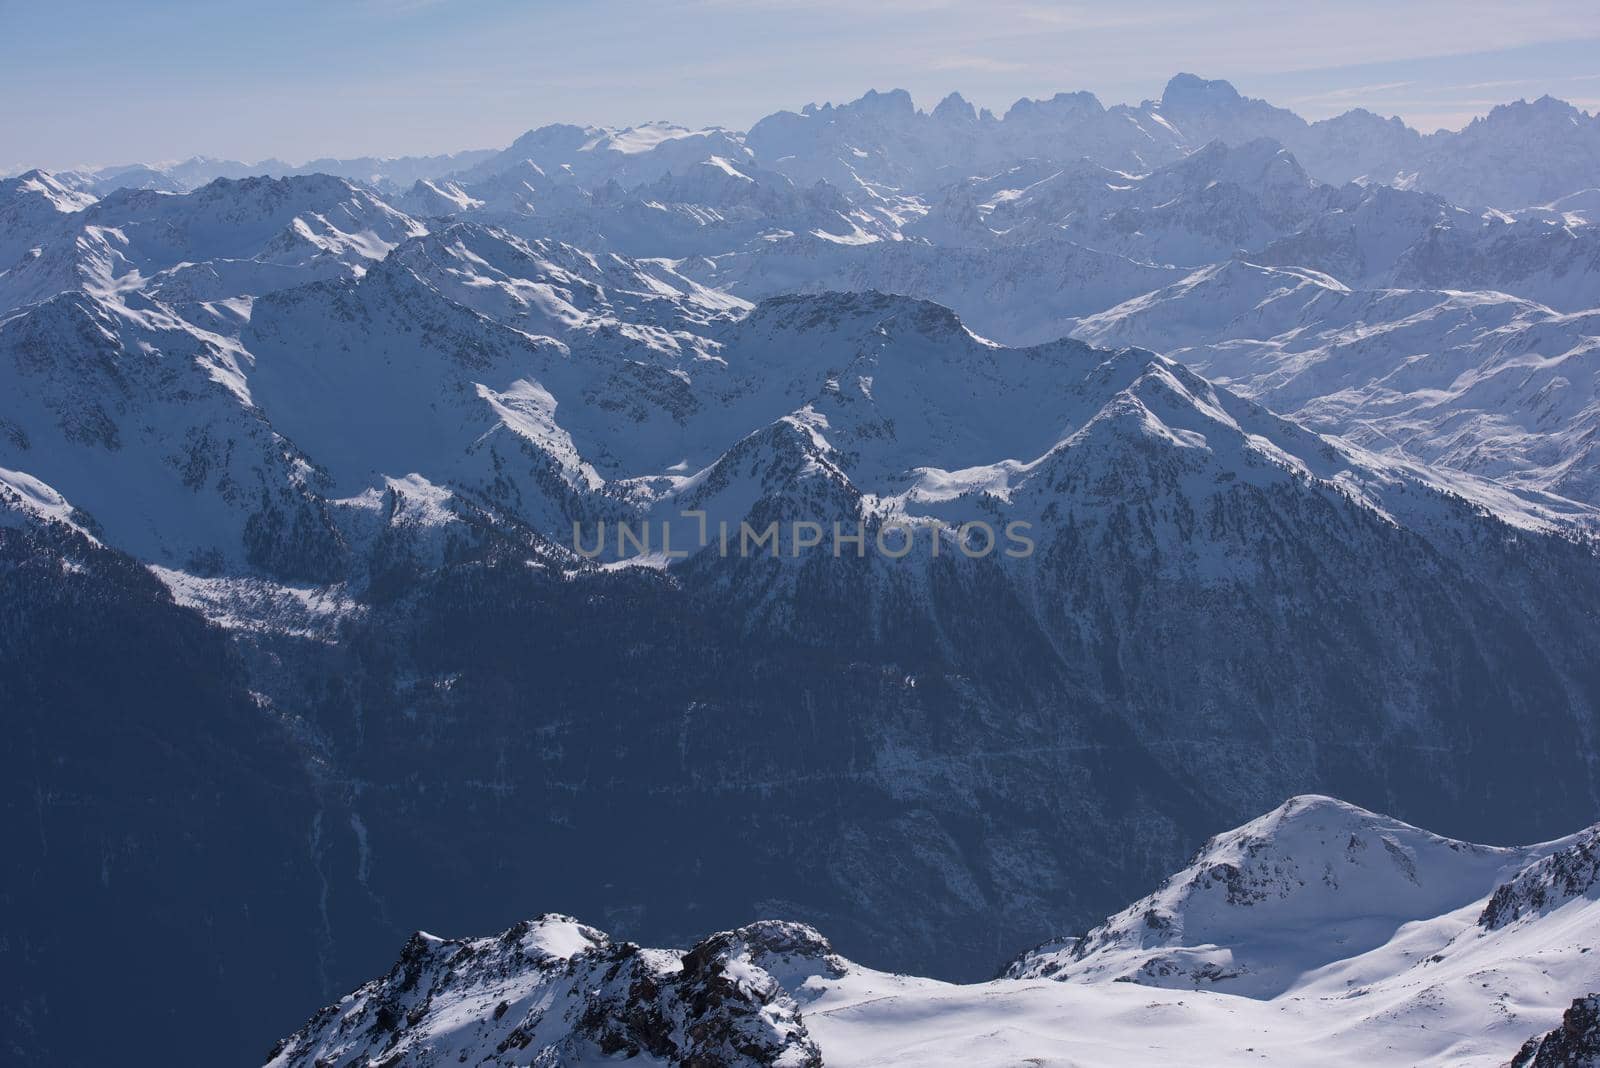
pixel 1477 382
pixel 30 208
pixel 155 813
pixel 146 423
pixel 227 239
pixel 775 993
pixel 1238 917
pixel 1341 621
pixel 1021 295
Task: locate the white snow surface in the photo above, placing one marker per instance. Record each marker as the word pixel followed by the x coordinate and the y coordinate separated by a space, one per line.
pixel 1318 934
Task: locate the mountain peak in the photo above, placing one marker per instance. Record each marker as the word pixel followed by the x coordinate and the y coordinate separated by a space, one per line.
pixel 1546 108
pixel 554 987
pixel 1312 862
pixel 894 103
pixel 1187 88
pixel 870 310
pixel 43 184
pixel 955 109
pixel 1060 105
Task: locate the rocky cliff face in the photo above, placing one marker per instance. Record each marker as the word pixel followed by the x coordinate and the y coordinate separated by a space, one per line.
pixel 1575 1044
pixel 1569 873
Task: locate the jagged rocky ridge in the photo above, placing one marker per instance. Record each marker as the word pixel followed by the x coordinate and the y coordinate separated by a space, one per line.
pixel 552 991
pixel 1566 874
pixel 1518 155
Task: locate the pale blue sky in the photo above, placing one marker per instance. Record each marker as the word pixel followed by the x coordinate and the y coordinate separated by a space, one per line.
pixel 97 82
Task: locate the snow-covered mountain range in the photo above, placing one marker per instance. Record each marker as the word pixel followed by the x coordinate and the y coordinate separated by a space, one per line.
pixel 1320 933
pixel 1284 433
pixel 1520 154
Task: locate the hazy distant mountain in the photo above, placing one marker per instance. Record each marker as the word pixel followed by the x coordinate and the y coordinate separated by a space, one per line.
pixel 1517 156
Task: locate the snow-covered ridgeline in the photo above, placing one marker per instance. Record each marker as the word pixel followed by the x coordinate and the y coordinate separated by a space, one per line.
pixel 1319 934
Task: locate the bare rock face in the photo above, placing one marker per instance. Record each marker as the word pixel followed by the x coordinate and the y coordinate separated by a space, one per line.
pixel 1555 880
pixel 1575 1044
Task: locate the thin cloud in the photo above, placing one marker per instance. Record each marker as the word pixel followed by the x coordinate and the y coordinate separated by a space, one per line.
pixel 986 64
pixel 1353 92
